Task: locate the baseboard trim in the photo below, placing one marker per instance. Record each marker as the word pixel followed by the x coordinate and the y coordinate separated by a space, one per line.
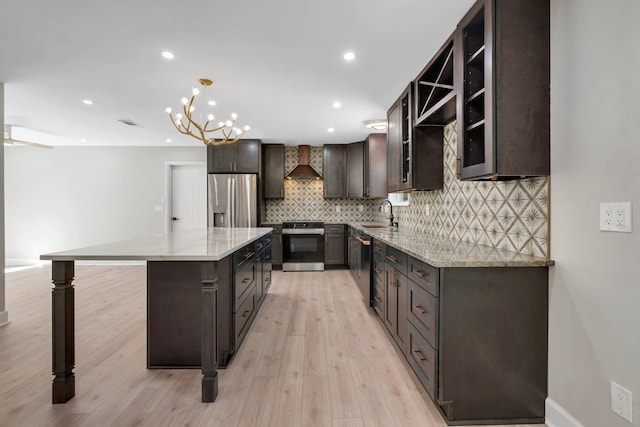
pixel 557 416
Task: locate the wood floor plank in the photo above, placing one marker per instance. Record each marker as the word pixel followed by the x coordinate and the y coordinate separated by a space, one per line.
pixel 315 355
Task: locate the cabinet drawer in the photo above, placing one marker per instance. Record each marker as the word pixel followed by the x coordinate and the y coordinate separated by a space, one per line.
pixel 334 228
pixel 245 278
pixel 378 248
pixel 244 255
pixel 423 313
pixel 422 358
pixel 398 259
pixel 378 300
pixel 424 275
pixel 243 315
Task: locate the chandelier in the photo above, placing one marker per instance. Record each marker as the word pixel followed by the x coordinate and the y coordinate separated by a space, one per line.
pixel 186 124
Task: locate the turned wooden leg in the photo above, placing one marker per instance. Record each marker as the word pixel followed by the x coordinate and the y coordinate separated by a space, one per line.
pixel 63 350
pixel 209 327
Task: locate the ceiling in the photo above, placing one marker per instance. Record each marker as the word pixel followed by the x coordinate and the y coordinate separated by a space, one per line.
pixel 278 64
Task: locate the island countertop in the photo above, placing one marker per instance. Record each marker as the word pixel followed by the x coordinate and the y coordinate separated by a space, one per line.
pixel 440 251
pixel 206 244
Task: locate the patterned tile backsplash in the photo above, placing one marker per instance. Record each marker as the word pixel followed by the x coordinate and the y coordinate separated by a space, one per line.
pixel 304 201
pixel 509 215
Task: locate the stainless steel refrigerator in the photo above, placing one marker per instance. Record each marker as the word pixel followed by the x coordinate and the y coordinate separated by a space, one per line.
pixel 232 200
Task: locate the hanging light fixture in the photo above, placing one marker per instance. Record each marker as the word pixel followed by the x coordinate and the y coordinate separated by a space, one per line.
pixel 187 125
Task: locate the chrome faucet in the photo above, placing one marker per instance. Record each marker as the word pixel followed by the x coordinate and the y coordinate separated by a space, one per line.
pixel 391 223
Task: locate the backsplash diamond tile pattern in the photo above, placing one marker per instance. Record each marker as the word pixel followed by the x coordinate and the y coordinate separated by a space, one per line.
pixel 304 201
pixel 509 215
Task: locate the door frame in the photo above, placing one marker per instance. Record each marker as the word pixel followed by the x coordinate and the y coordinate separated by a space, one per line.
pixel 168 187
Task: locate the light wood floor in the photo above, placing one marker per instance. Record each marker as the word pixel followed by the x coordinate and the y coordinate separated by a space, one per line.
pixel 315 355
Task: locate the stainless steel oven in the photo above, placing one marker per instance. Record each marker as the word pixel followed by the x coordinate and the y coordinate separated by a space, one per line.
pixel 302 246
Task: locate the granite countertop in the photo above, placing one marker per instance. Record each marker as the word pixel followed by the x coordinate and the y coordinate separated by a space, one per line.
pixel 440 251
pixel 206 244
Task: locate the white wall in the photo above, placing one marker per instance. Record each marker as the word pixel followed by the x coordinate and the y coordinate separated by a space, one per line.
pixel 594 328
pixel 79 196
pixel 4 317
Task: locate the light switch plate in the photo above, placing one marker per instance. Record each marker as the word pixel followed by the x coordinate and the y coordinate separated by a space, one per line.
pixel 616 217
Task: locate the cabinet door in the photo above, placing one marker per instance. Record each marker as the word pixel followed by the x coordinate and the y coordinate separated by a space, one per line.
pixel 273 171
pixel 394 145
pixel 391 299
pixel 402 327
pixel 334 249
pixel 407 160
pixel 333 170
pixel 221 158
pixel 375 166
pixel 247 156
pixel 355 168
pixel 276 249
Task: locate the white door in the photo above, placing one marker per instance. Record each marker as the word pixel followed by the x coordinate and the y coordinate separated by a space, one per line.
pixel 188 207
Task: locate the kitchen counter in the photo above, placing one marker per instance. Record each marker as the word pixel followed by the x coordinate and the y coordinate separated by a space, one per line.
pixel 440 251
pixel 206 246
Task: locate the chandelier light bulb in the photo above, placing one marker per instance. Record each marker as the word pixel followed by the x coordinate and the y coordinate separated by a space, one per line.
pixel 229 123
pixel 234 116
pixel 246 128
pixel 221 124
pixel 178 116
pixel 184 101
pixel 168 110
pixel 195 91
pixel 210 117
pixel 192 109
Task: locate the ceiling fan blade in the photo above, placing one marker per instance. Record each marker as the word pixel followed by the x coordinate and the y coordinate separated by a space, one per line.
pixel 31 144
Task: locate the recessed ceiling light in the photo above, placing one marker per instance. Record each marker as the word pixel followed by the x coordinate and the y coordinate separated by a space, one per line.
pixel 212 103
pixel 83 140
pixel 167 55
pixel 167 140
pixel 349 56
pixel 330 130
pixel 87 102
pixel 336 104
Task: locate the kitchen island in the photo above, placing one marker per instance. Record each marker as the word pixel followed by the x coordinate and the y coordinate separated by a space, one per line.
pixel 206 246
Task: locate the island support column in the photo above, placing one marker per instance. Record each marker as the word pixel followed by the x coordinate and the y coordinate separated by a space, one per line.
pixel 209 329
pixel 63 345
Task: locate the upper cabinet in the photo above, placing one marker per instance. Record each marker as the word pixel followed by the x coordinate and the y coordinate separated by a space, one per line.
pixel 241 157
pixel 355 170
pixel 375 165
pixel 273 171
pixel 502 77
pixel 414 154
pixel 434 89
pixel 333 171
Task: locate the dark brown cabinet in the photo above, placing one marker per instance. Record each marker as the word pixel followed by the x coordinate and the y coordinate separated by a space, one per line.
pixel 276 244
pixel 241 157
pixel 355 170
pixel 273 171
pixel 396 292
pixel 414 154
pixel 503 104
pixel 375 165
pixel 334 167
pixel 334 244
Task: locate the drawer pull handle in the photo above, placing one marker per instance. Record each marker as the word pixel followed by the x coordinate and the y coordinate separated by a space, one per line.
pixel 392 258
pixel 246 313
pixel 378 270
pixel 421 273
pixel 246 280
pixel 420 309
pixel 419 355
pixel 378 299
pixel 267 279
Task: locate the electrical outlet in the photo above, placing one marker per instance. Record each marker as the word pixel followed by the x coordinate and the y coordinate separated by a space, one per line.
pixel 615 217
pixel 337 208
pixel 621 401
pixel 427 210
pixel 361 208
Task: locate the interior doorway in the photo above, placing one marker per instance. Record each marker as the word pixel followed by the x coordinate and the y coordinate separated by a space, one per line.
pixel 186 196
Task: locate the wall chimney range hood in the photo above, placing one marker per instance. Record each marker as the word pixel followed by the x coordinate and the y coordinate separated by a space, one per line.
pixel 304 170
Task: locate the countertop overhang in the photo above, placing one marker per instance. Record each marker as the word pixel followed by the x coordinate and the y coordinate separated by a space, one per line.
pixel 206 244
pixel 440 251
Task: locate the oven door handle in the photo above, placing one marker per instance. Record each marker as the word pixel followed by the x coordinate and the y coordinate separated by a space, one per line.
pixel 304 231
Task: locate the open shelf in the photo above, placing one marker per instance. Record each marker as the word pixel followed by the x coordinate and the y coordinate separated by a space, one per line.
pixel 435 90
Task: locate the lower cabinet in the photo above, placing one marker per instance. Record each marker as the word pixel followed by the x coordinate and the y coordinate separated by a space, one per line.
pixel 334 244
pixel 476 337
pixel 174 305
